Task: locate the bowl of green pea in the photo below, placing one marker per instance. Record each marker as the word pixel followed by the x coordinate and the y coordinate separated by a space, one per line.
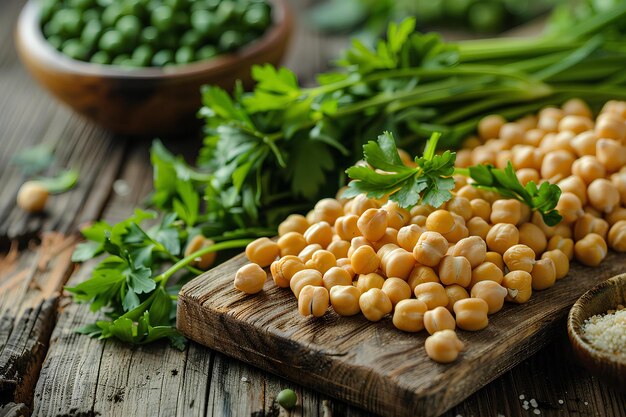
pixel 136 67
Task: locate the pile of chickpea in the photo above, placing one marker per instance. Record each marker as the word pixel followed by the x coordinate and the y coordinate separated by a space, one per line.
pixel 438 269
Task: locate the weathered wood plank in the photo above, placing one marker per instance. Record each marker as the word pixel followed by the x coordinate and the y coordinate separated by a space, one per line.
pixel 370 364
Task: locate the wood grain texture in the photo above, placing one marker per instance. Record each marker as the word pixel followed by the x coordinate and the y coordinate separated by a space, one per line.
pixel 372 365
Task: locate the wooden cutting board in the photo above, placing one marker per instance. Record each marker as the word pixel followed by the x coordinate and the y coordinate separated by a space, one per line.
pixel 371 365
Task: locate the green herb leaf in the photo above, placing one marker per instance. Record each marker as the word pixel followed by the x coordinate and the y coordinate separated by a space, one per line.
pixel 61 183
pixel 34 160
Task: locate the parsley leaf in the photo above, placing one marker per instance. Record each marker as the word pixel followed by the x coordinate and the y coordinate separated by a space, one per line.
pixel 34 160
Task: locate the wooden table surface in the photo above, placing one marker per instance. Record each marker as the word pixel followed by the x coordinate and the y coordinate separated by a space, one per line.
pixel 48 370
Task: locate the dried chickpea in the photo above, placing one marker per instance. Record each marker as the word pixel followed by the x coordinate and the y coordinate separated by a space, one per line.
pixel 310 217
pixel 408 236
pixel 577 107
pixel 496 259
pixel 390 236
pixel 443 346
pixel 284 269
pixel 476 226
pixel 537 220
pixel 375 304
pixel 460 206
pixel 409 315
pixel 291 243
pixel 308 251
pixel 262 251
pixel 548 123
pixel 469 191
pixel 356 243
pixel 344 263
pixel 419 220
pixel 336 276
pixel 617 236
pixel 455 293
pixel 455 270
pixel 360 204
pixel 364 260
pixel 199 242
pixel 526 175
pixel 561 263
pixel 590 250
pixel 557 165
pixel 619 180
pixel 313 301
pixel 527 122
pixel 543 274
pixel 471 314
pixel 489 126
pixel 293 223
pixel 487 271
pixel 473 248
pixel 481 208
pixel 345 300
pixel 250 278
pixel 430 248
pixel 346 228
pixel 396 215
pixel 492 293
pixel 421 274
pixel 603 195
pixel 396 289
pixel 464 158
pixel 616 215
pixel 432 293
pixel 556 142
pixel 386 249
pixel 574 185
pixel 501 237
pixel 610 126
pixel 611 153
pixel 368 281
pixel 322 260
pixel 421 210
pixel 584 144
pixel 339 248
pixel 570 207
pixel 533 137
pixel 438 319
pixel 459 181
pixel 533 237
pixel 373 224
pixel 320 233
pixel 588 169
pixel 576 124
pixel 398 263
pixel 590 224
pixel 303 278
pixel 459 230
pixel 327 210
pixel 563 244
pixel 518 285
pixel 512 132
pixel 440 221
pixel 519 258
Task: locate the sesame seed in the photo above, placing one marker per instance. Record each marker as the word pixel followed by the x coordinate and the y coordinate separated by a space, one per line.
pixel 534 403
pixel 586 403
pixel 536 411
pixel 561 401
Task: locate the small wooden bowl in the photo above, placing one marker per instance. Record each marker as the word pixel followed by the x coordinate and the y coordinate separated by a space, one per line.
pixel 603 297
pixel 143 101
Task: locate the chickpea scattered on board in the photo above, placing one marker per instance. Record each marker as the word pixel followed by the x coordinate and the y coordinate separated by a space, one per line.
pixel 451 267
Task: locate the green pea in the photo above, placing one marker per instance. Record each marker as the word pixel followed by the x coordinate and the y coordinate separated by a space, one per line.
pixel 101 57
pixel 52 28
pixel 47 9
pixel 257 17
pixel 142 55
pixel 119 59
pixel 70 22
pixel 230 40
pixel 91 14
pixel 149 35
pixel 81 4
pixel 204 22
pixel 91 33
pixel 111 14
pixel 225 11
pixel 191 38
pixel 75 49
pixel 55 41
pixel 184 55
pixel 133 8
pixel 105 3
pixel 129 26
pixel 129 63
pixel 162 58
pixel 175 4
pixel 111 41
pixel 206 52
pixel 287 399
pixel 162 18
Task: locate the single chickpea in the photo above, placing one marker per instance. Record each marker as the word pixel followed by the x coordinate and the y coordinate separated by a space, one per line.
pixel 527 122
pixel 489 126
pixel 366 282
pixel 614 108
pixel 525 214
pixel 443 346
pixel 455 270
pixel 396 289
pixel 398 263
pixel 344 263
pixel 313 301
pixel 356 243
pixel 584 144
pixel 421 274
pixel 570 207
pixel 364 260
pixel 487 271
pixel 345 300
pixel 537 220
pixel 291 243
pixel 590 250
pixel 390 236
pixel 473 248
pixel 310 217
pixel 619 180
pixel 322 260
pixel 346 227
pixel 492 293
pixel 610 126
pixel 293 223
pixel 543 274
pixel 408 315
pixel 419 220
pixel 548 124
pixel 469 191
pixel 386 249
pixel 320 233
pixel 533 137
pixel 432 293
pixel 496 259
pixel 360 204
pixel 578 107
pixel 250 278
pixel 464 157
pixel 455 293
pixel 408 236
pixel 519 258
pixel 481 208
pixel 471 314
pixel 373 224
pixel 574 185
pixel 284 269
pixel 421 210
pixel 590 224
pixel 561 262
pixel 617 236
pixel 459 230
pixel 440 221
pixel 575 124
pixel 526 175
pixel 533 237
pixel 327 210
pixel 512 132
pixel 199 242
pixel 557 165
pixel 460 206
pixel 502 236
pixel 375 304
pixel 459 181
pixel 519 286
pixel 611 153
pixel 430 248
pixel 603 195
pixel 396 215
pixel 476 226
pixel 262 251
pixel 339 248
pixel 308 251
pixel 588 169
pixel 32 197
pixel 438 319
pixel 303 278
pixel 616 215
pixel 563 244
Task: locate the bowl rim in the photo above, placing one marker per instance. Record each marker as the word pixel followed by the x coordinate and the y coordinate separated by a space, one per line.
pixel 29 33
pixel 574 327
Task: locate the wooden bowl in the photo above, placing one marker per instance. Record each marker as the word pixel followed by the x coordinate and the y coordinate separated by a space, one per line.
pixel 603 297
pixel 143 101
